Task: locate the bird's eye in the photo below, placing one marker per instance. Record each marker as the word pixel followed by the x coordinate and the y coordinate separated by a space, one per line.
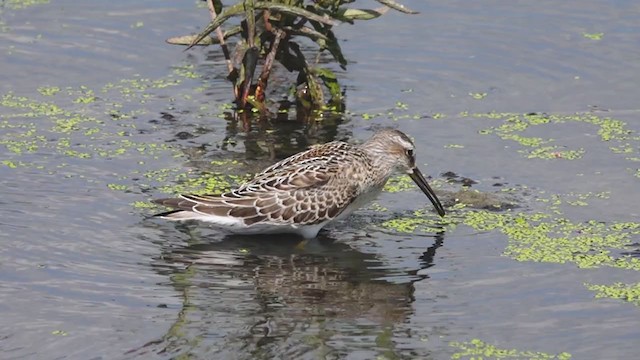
pixel 409 152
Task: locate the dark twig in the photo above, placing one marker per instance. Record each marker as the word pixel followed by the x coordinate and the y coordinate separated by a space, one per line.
pixel 268 63
pixel 223 45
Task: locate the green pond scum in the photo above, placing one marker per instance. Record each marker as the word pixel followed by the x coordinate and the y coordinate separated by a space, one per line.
pixel 545 236
pixel 72 122
pixel 203 183
pixel 397 113
pixel 478 95
pixel 118 187
pixel 479 350
pixel 54 124
pixel 186 71
pixel 454 146
pixel 626 292
pixel 217 178
pixel 423 222
pixel 399 183
pixel 515 125
pixel 593 36
pixel 10 164
pixel 48 90
pixel 22 4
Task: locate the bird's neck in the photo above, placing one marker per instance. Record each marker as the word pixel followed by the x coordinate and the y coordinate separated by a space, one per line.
pixel 382 163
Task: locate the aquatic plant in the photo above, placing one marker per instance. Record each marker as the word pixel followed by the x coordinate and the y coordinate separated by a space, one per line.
pixel 272 31
pixel 478 349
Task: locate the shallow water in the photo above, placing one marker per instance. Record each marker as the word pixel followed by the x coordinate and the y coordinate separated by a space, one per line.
pixel 84 273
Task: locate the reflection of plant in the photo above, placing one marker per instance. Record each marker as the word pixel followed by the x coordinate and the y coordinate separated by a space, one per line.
pixel 268 31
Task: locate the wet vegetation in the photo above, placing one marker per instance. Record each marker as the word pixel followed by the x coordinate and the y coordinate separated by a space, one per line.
pixel 275 31
pixel 478 349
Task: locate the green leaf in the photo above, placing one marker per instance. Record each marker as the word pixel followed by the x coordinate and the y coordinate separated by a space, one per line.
pixel 257 105
pixel 207 40
pixel 224 15
pixel 397 6
pixel 307 76
pixel 239 9
pixel 293 10
pixel 306 32
pixel 317 97
pixel 360 14
pixel 217 6
pixel 330 82
pixel 334 48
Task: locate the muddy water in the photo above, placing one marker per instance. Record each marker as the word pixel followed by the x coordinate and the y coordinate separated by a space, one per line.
pixel 99 115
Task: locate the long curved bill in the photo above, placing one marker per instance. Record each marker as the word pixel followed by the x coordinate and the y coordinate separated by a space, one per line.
pixel 419 179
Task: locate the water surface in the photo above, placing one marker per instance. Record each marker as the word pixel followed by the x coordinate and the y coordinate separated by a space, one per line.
pixel 85 274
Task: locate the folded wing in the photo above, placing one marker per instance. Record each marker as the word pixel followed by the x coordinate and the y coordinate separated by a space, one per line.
pixel 300 190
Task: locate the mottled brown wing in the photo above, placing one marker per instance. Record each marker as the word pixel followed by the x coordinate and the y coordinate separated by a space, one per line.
pixel 307 188
pixel 323 155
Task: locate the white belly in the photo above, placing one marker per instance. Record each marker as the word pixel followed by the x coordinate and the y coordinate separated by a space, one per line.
pixel 236 226
pixel 360 201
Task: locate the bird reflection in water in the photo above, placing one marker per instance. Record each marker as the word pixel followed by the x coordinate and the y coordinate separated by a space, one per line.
pixel 248 295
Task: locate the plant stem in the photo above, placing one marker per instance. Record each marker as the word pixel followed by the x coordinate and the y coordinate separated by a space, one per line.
pixel 223 45
pixel 268 63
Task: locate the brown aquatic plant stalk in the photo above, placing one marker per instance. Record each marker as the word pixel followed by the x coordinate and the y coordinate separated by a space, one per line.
pixel 285 22
pixel 223 44
pixel 268 64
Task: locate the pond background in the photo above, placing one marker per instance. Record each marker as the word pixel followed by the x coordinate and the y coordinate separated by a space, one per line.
pixel 99 115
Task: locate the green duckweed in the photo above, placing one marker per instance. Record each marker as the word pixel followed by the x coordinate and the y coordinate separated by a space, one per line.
pixel 514 125
pixel 625 292
pixel 477 349
pixel 593 36
pixel 23 4
pixel 399 183
pixel 48 90
pixel 540 236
